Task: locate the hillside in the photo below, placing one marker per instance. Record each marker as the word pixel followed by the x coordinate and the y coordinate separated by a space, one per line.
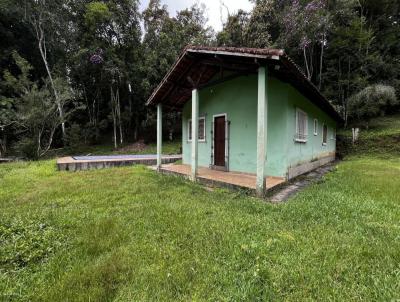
pixel 382 139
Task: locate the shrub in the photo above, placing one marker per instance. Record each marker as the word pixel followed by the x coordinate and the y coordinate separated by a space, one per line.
pixel 26 147
pixel 372 101
pixel 74 135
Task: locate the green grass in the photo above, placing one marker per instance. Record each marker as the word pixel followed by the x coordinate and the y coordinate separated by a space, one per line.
pixel 382 139
pixel 130 234
pixel 381 126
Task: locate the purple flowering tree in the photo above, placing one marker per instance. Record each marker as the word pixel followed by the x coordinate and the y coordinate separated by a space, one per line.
pixel 307 25
pixel 97 57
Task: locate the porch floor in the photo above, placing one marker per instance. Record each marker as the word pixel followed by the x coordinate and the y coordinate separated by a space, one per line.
pixel 221 178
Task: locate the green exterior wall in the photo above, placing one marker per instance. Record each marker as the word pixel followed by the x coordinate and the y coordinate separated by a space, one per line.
pixel 298 153
pixel 237 99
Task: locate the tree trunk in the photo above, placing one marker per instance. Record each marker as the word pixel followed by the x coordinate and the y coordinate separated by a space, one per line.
pixel 118 108
pixel 311 63
pixel 341 96
pixel 136 127
pixel 39 143
pixel 89 108
pixel 320 61
pixel 43 151
pixel 306 62
pixel 348 92
pixel 130 123
pixel 113 114
pixel 3 145
pixel 43 52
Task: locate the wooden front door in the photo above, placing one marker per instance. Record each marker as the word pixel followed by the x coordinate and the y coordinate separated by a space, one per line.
pixel 219 141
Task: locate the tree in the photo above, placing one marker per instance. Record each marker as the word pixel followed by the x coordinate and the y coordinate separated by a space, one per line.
pixel 38 116
pixel 164 39
pixel 234 32
pixel 44 16
pixel 262 24
pixel 7 120
pixel 383 18
pixel 348 72
pixel 12 88
pixel 106 56
pixel 98 49
pixel 306 26
pixel 35 114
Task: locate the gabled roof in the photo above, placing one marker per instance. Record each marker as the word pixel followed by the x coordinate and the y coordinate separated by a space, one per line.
pixel 199 66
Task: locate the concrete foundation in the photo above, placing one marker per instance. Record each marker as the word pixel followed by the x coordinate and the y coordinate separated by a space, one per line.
pixel 70 164
pixel 309 166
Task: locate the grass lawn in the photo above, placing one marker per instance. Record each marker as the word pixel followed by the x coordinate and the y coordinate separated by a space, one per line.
pixel 130 234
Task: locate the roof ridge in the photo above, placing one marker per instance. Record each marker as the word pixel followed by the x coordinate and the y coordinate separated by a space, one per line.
pixel 251 50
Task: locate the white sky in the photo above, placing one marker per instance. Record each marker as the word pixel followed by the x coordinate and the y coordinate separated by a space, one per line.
pixel 213 8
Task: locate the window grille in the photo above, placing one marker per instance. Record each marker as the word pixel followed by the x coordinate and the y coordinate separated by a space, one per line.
pixel 301 126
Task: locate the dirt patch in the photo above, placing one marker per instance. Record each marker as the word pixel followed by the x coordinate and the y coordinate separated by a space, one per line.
pixel 139 146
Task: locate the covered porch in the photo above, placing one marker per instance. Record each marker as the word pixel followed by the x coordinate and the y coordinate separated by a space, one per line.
pixel 202 67
pixel 231 180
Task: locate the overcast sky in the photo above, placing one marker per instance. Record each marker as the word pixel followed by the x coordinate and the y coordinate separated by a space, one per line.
pixel 213 8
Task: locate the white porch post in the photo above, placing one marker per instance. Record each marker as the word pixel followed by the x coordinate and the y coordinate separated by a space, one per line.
pixel 262 111
pixel 195 131
pixel 159 136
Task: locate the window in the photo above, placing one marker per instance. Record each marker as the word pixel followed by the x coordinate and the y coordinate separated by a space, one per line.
pixel 333 136
pixel 202 130
pixel 324 134
pixel 301 126
pixel 315 126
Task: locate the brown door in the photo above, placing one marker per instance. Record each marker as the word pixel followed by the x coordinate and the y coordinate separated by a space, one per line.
pixel 219 141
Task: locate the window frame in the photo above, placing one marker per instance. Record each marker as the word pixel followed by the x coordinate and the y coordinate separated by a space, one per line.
pixel 333 134
pixel 315 127
pixel 305 134
pixel 189 129
pixel 324 143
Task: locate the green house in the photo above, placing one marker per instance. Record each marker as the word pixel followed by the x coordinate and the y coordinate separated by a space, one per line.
pixel 247 110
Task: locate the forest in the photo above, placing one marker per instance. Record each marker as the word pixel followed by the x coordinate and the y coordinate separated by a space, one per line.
pixel 79 72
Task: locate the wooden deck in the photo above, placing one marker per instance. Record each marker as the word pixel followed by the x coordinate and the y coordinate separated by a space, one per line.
pixel 232 180
pixel 71 164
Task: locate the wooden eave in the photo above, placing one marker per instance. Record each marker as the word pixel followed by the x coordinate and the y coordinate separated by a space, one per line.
pixel 199 67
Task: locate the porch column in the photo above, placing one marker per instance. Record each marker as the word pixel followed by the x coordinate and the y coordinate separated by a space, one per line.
pixel 159 136
pixel 262 111
pixel 195 131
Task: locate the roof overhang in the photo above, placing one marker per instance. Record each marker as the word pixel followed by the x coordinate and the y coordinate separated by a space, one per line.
pixel 200 67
